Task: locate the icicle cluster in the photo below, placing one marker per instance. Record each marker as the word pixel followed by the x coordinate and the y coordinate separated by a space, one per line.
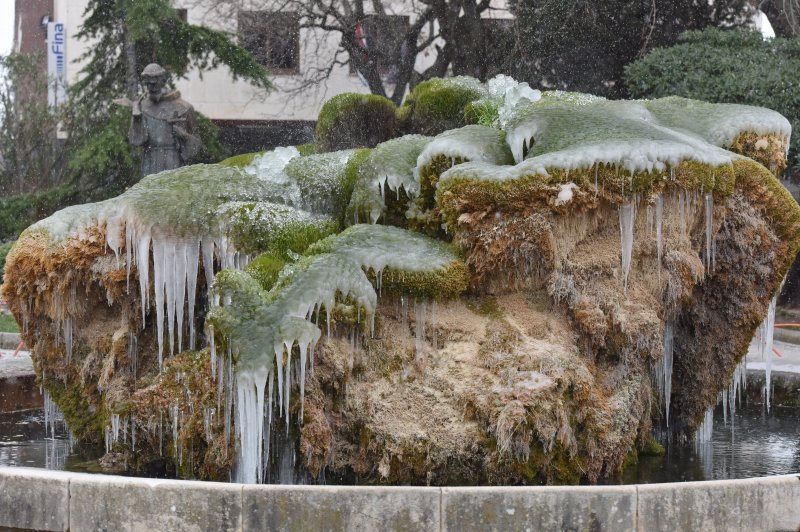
pixel 662 371
pixel 627 217
pixel 265 331
pixel 765 335
pixel 706 428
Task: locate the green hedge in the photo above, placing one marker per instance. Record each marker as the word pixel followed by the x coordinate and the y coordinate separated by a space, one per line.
pixel 18 212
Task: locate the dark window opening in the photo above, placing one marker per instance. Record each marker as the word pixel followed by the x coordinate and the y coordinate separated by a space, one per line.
pixel 183 14
pixel 272 38
pixel 382 38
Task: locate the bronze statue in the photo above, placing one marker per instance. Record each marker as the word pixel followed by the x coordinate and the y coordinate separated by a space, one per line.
pixel 163 124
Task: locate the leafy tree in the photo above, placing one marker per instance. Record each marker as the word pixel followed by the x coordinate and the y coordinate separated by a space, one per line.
pixel 30 156
pixel 725 66
pixel 584 45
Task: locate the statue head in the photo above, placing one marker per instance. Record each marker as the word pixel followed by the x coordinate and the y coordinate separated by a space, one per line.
pixel 154 78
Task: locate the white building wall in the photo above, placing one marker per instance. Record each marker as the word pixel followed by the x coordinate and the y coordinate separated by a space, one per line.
pixel 219 97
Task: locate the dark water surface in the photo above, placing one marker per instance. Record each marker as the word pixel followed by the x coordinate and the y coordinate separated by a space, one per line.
pixel 755 444
pixel 24 441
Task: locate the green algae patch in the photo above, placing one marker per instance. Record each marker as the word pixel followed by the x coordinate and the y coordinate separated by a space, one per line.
pixel 352 120
pixel 438 104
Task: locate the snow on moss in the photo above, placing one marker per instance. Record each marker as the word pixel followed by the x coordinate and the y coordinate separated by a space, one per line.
pixel 718 123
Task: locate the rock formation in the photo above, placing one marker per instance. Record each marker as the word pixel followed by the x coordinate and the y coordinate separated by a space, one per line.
pixel 517 300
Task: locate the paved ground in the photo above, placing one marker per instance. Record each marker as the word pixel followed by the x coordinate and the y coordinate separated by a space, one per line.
pixel 15 366
pixel 787 362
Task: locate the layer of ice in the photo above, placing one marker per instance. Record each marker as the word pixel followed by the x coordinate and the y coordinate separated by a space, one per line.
pixel 718 123
pixel 388 168
pixel 471 143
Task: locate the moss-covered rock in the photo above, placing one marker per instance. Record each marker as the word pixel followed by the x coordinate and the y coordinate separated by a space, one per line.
pixel 352 120
pixel 516 346
pixel 438 104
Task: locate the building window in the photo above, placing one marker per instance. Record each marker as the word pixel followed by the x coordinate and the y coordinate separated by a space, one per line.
pixel 183 14
pixel 272 38
pixel 382 39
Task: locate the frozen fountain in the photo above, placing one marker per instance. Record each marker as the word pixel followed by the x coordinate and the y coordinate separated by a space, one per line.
pixel 580 271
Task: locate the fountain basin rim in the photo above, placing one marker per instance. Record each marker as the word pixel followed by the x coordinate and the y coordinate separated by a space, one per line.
pixel 58 500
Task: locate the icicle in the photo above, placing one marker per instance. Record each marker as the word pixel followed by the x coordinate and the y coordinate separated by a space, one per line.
pixel 212 348
pixel 160 433
pixel 68 337
pixel 709 203
pixel 767 330
pixel 668 351
pixel 287 386
pixel 268 413
pixel 175 429
pixel 627 214
pixel 706 428
pixel 250 385
pixel 682 210
pixel 143 265
pixel 228 399
pixel 419 318
pixel 133 352
pixel 303 356
pixel 659 222
pixel 279 363
pixel 181 267
pixel 170 290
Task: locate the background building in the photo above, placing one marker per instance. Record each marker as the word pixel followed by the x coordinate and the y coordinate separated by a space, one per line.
pixel 297 57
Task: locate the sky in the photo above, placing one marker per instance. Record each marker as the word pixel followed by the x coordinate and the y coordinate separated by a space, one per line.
pixel 6 26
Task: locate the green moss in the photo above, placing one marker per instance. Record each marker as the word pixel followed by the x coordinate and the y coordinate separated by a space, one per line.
pixel 86 421
pixel 651 447
pixel 631 459
pixel 309 148
pixel 438 104
pixel 352 120
pixel 389 167
pixel 481 112
pixel 241 160
pixel 265 269
pixel 262 226
pixel 512 189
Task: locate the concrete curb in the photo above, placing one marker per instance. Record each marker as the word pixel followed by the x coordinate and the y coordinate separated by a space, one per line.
pixel 9 340
pixel 56 500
